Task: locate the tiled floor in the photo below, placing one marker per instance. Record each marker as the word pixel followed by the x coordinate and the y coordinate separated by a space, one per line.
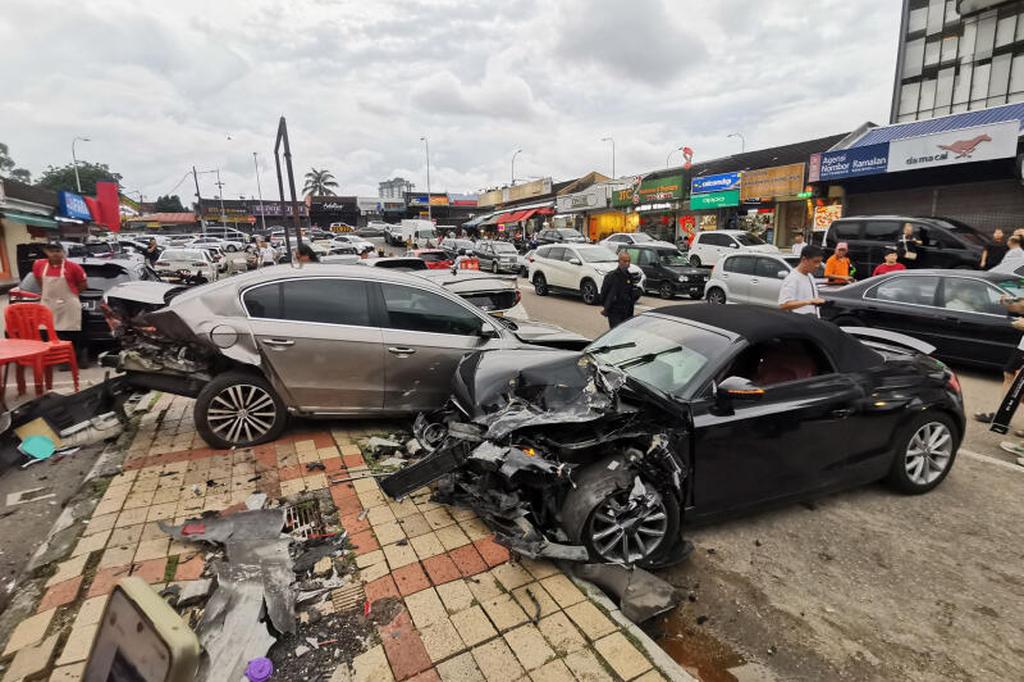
pixel 468 614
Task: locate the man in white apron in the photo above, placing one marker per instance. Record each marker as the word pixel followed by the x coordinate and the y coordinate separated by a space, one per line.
pixel 61 281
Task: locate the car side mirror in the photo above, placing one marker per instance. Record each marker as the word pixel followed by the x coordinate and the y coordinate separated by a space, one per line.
pixel 782 274
pixel 575 261
pixel 487 332
pixel 734 245
pixel 738 388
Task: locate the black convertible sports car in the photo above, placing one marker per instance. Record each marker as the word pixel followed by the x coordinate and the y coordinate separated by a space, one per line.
pixel 686 412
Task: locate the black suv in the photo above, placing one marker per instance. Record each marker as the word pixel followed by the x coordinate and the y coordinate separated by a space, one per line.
pixel 560 235
pixel 945 243
pixel 667 270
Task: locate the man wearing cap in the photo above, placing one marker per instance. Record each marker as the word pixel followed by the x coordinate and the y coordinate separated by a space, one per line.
pixel 837 267
pixel 891 263
pixel 61 282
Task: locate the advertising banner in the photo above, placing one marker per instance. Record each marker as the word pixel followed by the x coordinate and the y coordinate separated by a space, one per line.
pixel 649 191
pixel 849 163
pixel 595 196
pixel 966 145
pixel 534 188
pixel 71 205
pixel 715 200
pixel 778 181
pixel 824 215
pixel 715 183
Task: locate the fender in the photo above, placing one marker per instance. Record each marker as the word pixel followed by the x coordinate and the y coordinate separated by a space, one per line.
pixel 894 338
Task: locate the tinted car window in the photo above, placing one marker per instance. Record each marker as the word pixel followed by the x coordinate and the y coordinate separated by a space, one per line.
pixel 768 267
pixel 748 239
pixel 918 290
pixel 332 301
pixel 264 301
pixel 423 311
pixel 558 253
pixel 741 265
pixel 714 240
pixel 972 296
pixel 840 231
pixel 882 230
pixel 933 236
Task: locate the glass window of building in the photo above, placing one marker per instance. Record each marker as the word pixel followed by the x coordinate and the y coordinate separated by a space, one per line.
pixel 1020 26
pixel 967 41
pixel 1000 78
pixel 986 36
pixel 913 58
pixel 949 44
pixel 1005 29
pixel 979 87
pixel 951 13
pixel 927 101
pixel 944 91
pixel 931 53
pixel 917 20
pixel 908 97
pixel 1017 75
pixel 936 13
pixel 962 86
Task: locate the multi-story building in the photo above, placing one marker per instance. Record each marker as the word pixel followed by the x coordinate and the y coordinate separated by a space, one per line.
pixel 958 55
pixel 394 188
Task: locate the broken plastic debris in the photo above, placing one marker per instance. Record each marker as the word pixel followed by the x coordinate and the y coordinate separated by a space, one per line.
pixel 259 669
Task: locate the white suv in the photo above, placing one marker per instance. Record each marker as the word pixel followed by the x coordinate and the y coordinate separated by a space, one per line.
pixel 708 247
pixel 629 238
pixel 574 268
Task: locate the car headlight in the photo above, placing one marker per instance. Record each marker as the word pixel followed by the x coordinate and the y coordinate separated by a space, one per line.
pixel 682 278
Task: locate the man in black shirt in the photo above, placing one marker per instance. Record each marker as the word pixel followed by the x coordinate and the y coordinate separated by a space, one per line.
pixel 619 292
pixel 994 252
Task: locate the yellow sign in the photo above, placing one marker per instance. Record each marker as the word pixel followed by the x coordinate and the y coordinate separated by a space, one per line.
pixel 490 198
pixel 439 200
pixel 526 190
pixel 778 181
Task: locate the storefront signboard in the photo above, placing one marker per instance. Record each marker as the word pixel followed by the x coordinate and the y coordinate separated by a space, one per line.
pixel 824 215
pixel 438 199
pixel 849 163
pixel 491 198
pixel 534 188
pixel 648 191
pixel 965 145
pixel 777 181
pixel 594 197
pixel 715 200
pixel 416 199
pixel 368 204
pixel 71 205
pixel 715 183
pixel 462 199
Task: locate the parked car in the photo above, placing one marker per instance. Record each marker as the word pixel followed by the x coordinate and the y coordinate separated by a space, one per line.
pixel 957 311
pixel 751 278
pixel 101 276
pixel 337 341
pixel 577 268
pixel 360 244
pixel 452 246
pixel 192 266
pixel 341 227
pixel 524 261
pixel 560 235
pixel 372 230
pixel 228 245
pixel 420 233
pixel 945 243
pixel 708 247
pixel 403 263
pixel 436 259
pixel 497 256
pixel 682 414
pixel 613 241
pixel 666 269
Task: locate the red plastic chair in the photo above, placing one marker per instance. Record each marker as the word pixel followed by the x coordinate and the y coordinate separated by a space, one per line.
pixel 23 321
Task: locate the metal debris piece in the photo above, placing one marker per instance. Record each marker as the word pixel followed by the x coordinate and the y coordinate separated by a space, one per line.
pixel 379 445
pixel 641 595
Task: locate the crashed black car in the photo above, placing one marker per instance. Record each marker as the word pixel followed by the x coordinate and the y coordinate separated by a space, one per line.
pixel 686 412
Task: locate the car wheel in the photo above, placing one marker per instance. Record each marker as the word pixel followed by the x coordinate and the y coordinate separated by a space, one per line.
pixel 523 272
pixel 540 284
pixel 231 249
pixel 494 267
pixel 239 409
pixel 927 448
pixel 716 296
pixel 589 292
pixel 619 516
pixel 695 260
pixel 667 291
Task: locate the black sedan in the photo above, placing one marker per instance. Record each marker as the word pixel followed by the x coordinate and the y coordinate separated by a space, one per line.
pixel 667 270
pixel 957 311
pixel 686 412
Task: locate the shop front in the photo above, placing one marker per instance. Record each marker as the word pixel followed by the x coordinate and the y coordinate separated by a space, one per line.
pixel 26 214
pixel 655 202
pixel 588 213
pixel 713 204
pixel 775 203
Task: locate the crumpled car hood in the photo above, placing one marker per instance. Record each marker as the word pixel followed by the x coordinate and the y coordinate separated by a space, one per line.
pixel 544 334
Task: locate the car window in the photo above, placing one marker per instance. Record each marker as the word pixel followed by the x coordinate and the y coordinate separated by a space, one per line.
pixel 644 257
pixel 503 247
pixel 670 257
pixel 1015 285
pixel 971 296
pixel 778 361
pixel 424 311
pixel 331 301
pixel 919 290
pixel 882 230
pixel 768 267
pixel 935 237
pixel 741 265
pixel 844 231
pixel 596 254
pixel 641 238
pixel 542 252
pixel 748 239
pixel 264 301
pixel 558 253
pixel 713 240
pixel 616 238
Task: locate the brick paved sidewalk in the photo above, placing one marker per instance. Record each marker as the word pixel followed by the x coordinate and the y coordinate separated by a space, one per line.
pixel 467 611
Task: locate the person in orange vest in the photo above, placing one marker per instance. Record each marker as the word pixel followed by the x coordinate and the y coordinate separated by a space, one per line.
pixel 837 267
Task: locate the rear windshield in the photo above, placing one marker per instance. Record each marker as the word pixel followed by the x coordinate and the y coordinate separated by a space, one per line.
pixel 748 239
pixel 434 257
pixel 492 301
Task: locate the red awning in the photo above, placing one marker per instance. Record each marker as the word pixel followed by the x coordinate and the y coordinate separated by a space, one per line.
pixel 525 215
pixel 547 210
pixel 504 218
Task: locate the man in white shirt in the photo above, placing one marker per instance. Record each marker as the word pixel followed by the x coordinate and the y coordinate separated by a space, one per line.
pixel 798 244
pixel 799 293
pixel 1014 257
pixel 266 253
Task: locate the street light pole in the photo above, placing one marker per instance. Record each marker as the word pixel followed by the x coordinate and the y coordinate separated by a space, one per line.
pixel 199 200
pixel 669 155
pixel 74 159
pixel 612 140
pixel 514 155
pixel 263 216
pixel 743 141
pixel 430 212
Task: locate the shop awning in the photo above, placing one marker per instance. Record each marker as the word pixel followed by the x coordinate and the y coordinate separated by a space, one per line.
pixel 479 220
pixel 30 219
pixel 507 217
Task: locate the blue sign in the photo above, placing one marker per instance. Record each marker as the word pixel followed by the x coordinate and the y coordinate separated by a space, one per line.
pixel 71 205
pixel 850 163
pixel 417 199
pixel 715 183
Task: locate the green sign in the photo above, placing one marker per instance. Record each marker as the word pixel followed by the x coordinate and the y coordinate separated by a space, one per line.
pixel 650 191
pixel 715 200
pixel 805 195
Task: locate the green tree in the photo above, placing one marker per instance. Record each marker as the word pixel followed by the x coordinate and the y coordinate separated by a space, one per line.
pixel 8 169
pixel 168 204
pixel 319 183
pixel 63 177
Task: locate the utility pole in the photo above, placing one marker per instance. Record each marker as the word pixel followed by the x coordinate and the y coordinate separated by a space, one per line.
pixel 430 212
pixel 612 140
pixel 199 200
pixel 743 141
pixel 220 195
pixel 263 217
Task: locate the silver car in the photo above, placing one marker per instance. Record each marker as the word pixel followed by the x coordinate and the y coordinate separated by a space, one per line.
pixel 317 341
pixel 751 278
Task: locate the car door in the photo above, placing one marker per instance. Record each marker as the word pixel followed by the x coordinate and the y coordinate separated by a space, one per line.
pixel 425 335
pixel 643 259
pixel 938 248
pixel 906 303
pixel 557 265
pixel 766 282
pixel 736 271
pixel 318 339
pixel 973 324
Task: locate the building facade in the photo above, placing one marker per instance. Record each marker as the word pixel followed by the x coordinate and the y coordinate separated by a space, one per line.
pixel 395 188
pixel 957 56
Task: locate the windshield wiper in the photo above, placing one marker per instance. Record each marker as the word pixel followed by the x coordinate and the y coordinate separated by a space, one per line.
pixel 647 358
pixel 610 347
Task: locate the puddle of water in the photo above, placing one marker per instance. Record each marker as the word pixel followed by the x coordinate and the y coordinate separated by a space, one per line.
pixel 693 647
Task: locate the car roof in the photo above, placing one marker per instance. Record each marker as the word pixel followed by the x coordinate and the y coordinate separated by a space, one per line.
pixel 758 324
pixel 649 246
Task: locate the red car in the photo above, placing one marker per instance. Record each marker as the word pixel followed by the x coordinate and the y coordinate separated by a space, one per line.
pixel 436 259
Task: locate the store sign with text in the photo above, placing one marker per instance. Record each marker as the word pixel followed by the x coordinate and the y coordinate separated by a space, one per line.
pixel 649 191
pixel 778 181
pixel 595 196
pixel 71 205
pixel 849 163
pixel 966 145
pixel 715 200
pixel 722 182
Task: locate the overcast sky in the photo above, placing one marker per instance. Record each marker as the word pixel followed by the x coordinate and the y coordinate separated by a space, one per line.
pixel 159 86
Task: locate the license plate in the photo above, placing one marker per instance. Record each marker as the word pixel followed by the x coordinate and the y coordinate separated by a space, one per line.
pixel 88 305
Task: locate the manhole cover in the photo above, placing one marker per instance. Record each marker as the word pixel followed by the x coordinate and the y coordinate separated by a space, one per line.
pixel 304 520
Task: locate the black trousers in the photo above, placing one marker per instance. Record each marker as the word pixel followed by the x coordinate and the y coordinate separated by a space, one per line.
pixel 615 319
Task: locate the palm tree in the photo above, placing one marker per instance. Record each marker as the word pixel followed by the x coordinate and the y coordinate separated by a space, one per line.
pixel 319 183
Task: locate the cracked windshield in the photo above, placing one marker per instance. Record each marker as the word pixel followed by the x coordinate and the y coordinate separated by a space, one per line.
pixel 421 340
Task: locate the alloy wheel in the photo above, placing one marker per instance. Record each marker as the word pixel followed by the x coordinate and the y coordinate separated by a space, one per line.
pixel 241 413
pixel 667 291
pixel 929 453
pixel 630 525
pixel 716 296
pixel 589 292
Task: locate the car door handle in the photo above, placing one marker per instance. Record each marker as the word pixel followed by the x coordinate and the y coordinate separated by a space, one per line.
pixel 279 342
pixel 396 350
pixel 843 412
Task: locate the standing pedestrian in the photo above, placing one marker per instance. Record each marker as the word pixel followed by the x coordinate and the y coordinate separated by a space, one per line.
pixel 907 246
pixel 890 264
pixel 799 291
pixel 994 252
pixel 798 244
pixel 837 267
pixel 61 282
pixel 266 254
pixel 619 292
pixel 1014 255
pixel 152 253
pixel 305 254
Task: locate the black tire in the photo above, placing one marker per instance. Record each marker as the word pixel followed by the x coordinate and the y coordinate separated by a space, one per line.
pixel 696 295
pixel 899 476
pixel 667 291
pixel 695 261
pixel 716 296
pixel 494 267
pixel 540 284
pixel 231 249
pixel 223 392
pixel 594 486
pixel 589 292
pixel 524 273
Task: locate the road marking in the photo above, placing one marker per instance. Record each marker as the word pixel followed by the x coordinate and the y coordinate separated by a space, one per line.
pixel 992 460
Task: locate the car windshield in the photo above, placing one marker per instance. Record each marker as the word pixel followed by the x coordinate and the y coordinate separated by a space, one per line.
pixel 665 354
pixel 671 257
pixel 504 247
pixel 1014 285
pixel 964 231
pixel 640 238
pixel 748 239
pixel 567 232
pixel 596 254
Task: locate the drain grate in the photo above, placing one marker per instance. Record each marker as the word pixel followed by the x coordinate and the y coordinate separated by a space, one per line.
pixel 349 597
pixel 304 520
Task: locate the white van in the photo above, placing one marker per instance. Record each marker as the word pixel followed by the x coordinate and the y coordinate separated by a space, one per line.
pixel 421 233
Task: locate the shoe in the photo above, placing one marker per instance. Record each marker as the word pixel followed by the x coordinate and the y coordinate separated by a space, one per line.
pixel 1019 433
pixel 1020 461
pixel 1012 448
pixel 985 417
